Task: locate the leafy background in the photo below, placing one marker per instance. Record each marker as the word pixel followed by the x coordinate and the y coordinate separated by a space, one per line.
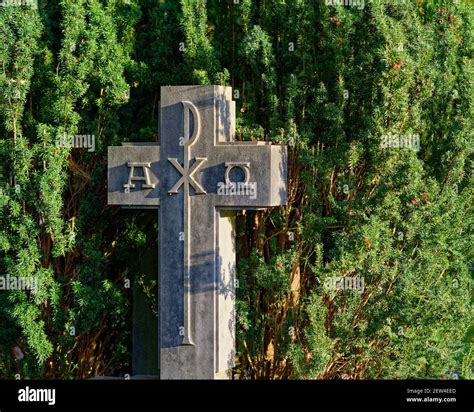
pixel 330 82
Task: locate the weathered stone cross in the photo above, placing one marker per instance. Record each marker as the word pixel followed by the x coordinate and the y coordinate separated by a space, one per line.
pixel 197 176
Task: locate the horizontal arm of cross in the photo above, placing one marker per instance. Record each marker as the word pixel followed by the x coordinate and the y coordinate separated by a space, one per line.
pixel 133 175
pixel 264 170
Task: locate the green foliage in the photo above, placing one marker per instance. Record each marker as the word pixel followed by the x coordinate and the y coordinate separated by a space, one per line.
pixel 333 83
pixel 71 70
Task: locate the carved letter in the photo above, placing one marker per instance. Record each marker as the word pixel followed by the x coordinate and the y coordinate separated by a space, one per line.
pixel 245 166
pixel 146 175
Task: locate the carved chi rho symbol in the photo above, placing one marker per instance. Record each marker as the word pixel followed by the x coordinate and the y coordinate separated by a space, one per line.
pixel 197 177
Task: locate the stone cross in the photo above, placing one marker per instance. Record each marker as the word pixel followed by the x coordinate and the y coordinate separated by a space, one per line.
pixel 198 177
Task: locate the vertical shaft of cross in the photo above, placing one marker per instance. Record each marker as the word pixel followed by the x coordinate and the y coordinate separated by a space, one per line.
pixel 188 341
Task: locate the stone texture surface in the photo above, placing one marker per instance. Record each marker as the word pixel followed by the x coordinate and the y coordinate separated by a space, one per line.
pixel 196 222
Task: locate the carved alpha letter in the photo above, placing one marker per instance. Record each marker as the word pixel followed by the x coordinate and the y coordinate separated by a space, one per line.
pixel 146 175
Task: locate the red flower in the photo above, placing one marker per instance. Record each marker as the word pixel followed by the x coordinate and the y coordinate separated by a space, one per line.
pixel 398 65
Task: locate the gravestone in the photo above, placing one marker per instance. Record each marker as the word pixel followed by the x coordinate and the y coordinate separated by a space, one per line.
pixel 197 177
